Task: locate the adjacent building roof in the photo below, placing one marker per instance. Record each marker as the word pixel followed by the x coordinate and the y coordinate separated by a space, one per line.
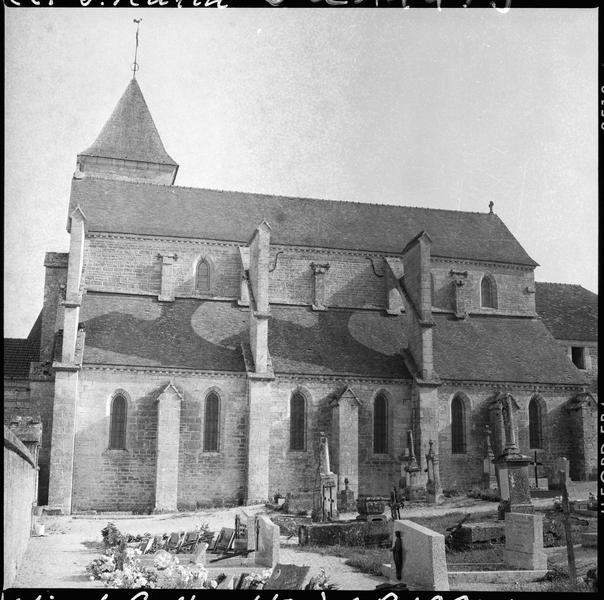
pixel 20 352
pixel 500 349
pixel 570 312
pixel 140 208
pixel 207 335
pixel 130 133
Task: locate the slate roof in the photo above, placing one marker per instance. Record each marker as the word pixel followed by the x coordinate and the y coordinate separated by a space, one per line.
pixel 206 335
pixel 498 349
pixel 20 352
pixel 130 132
pixel 140 208
pixel 570 312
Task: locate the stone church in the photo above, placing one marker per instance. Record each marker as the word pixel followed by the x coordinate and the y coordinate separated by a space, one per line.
pixel 194 344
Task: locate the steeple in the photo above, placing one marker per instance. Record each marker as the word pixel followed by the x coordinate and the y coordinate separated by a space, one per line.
pixel 129 146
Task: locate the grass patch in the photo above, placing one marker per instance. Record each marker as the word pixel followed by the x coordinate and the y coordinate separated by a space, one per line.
pixel 483 553
pixel 365 559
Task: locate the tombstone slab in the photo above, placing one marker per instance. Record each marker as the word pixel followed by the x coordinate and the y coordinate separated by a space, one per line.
pixel 480 532
pixel 524 541
pixel 424 562
pixel 267 547
pixel 288 577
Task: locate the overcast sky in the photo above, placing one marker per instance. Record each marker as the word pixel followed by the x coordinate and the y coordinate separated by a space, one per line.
pixel 416 107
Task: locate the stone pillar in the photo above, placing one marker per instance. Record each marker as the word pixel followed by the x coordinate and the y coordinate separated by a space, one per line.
pixel 67 372
pixel 345 436
pixel 460 302
pixel 319 271
pixel 260 313
pixel 259 421
pixel 168 439
pixel 582 414
pixel 63 436
pixel 394 273
pixel 166 293
pixel 73 294
pixel 244 293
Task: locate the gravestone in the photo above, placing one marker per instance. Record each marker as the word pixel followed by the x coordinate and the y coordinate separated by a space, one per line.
pixel 424 566
pixel 346 502
pixel 267 542
pixel 524 541
pixel 562 464
pixel 489 479
pixel 224 540
pixel 288 577
pixel 470 533
pixel 199 555
pixel 512 466
pixel 413 487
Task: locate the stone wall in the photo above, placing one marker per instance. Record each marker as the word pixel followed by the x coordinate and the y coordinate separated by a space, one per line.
pixel 463 471
pixel 19 488
pixel 125 479
pixel 514 286
pixel 132 264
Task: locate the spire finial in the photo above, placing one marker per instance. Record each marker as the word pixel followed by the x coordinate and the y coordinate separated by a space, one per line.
pixel 135 64
pixel 491 204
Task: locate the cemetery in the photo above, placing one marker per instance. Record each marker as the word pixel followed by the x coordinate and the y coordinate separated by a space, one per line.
pixel 416 539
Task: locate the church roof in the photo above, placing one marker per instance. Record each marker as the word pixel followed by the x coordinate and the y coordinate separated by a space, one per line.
pixel 130 133
pixel 570 312
pixel 207 335
pixel 139 208
pixel 500 349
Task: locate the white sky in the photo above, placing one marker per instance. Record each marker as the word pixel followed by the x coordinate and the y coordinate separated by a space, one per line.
pixel 446 109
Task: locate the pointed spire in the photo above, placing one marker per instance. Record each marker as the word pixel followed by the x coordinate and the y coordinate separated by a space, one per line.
pixel 130 137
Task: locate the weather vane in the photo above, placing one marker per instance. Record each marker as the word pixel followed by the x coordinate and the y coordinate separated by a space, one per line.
pixel 135 64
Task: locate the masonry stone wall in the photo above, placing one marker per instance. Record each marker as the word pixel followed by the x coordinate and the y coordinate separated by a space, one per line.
pixel 19 485
pixel 125 479
pixel 514 286
pixel 131 264
pixel 463 471
pixel 292 471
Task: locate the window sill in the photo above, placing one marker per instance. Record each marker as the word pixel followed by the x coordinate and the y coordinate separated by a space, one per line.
pixel 115 451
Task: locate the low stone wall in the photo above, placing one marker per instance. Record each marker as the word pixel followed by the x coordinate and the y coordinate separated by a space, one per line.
pixel 20 477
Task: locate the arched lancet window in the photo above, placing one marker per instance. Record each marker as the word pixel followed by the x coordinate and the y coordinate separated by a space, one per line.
pixel 487 292
pixel 297 422
pixel 535 424
pixel 211 423
pixel 380 425
pixel 432 296
pixel 203 276
pixel 117 428
pixel 458 426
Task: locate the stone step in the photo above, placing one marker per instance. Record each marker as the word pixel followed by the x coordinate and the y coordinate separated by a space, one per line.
pixel 461 578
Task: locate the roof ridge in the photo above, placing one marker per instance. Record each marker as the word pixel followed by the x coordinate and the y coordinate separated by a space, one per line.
pixel 287 197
